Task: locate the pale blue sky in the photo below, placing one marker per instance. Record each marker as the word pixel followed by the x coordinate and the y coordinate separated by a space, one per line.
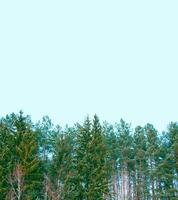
pixel 68 59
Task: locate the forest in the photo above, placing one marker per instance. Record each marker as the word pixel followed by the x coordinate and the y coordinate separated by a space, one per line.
pixel 92 160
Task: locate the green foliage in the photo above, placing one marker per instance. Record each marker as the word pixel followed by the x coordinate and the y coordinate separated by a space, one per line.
pixel 20 149
pixel 89 161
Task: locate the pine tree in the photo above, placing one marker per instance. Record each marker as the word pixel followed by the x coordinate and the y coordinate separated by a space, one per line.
pixel 46 134
pixel 111 140
pixel 168 166
pixel 153 152
pixel 62 172
pixel 140 164
pixel 125 152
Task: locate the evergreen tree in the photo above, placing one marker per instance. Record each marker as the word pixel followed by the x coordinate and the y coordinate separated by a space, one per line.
pixel 62 172
pixel 6 144
pixel 153 151
pixel 92 161
pixel 140 164
pixel 111 140
pixel 98 181
pixel 83 159
pixel 86 162
pixel 168 168
pixel 25 164
pixel 125 152
pixel 46 134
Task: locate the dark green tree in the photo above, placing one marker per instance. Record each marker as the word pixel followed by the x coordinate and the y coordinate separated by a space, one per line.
pixel 24 177
pixel 92 161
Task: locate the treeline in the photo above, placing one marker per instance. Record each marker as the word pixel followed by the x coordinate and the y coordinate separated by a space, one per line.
pixel 89 161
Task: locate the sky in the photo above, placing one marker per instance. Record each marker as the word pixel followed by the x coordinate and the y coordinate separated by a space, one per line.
pixel 68 59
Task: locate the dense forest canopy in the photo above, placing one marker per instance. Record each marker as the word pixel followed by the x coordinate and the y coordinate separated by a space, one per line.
pixel 88 161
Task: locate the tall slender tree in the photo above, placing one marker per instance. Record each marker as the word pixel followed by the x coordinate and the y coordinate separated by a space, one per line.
pixel 140 164
pixel 152 159
pixel 125 158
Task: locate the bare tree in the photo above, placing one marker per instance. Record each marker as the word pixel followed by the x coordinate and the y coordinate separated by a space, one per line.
pixel 16 181
pixel 49 190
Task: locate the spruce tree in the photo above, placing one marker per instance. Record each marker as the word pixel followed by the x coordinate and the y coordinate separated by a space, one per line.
pixel 24 158
pixel 98 181
pixel 92 162
pixel 83 159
